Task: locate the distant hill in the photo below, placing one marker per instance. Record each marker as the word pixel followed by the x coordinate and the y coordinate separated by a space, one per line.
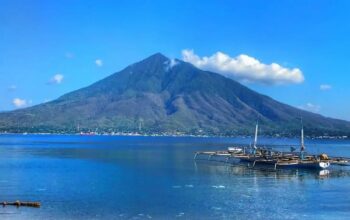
pixel 162 95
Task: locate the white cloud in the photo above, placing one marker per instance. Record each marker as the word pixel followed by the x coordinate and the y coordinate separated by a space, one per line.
pixel 245 68
pixel 12 87
pixel 18 103
pixel 56 79
pixel 170 64
pixel 99 62
pixel 325 87
pixel 310 107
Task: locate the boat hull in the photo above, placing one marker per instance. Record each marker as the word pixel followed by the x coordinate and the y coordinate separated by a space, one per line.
pixel 318 165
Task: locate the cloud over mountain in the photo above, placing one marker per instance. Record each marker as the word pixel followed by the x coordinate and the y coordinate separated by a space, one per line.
pixel 18 103
pixel 245 68
pixel 311 107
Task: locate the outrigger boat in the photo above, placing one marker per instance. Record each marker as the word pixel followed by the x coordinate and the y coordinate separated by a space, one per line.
pixel 260 155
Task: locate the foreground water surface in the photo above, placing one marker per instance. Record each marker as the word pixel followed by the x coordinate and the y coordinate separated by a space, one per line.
pixel 110 177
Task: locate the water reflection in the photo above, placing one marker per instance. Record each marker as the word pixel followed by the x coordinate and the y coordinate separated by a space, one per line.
pixel 243 169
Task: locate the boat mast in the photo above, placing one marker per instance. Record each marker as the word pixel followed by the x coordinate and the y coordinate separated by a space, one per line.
pixel 256 134
pixel 302 146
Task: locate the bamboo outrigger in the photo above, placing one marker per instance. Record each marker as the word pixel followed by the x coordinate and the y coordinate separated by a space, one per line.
pixel 259 155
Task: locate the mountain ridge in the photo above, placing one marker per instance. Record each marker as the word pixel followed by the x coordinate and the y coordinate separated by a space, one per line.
pixel 159 95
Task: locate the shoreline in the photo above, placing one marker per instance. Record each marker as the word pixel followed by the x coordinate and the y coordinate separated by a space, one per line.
pixel 131 134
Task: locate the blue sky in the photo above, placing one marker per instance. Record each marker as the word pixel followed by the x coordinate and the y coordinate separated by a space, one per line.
pixel 48 48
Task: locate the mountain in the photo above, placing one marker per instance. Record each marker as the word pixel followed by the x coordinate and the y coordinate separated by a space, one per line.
pixel 164 95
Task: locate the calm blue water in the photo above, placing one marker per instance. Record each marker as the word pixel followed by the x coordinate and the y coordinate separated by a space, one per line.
pixel 102 177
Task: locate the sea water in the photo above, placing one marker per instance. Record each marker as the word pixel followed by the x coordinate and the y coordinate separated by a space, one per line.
pixel 120 177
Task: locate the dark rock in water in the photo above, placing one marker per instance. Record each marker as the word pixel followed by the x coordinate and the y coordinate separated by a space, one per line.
pixel 163 95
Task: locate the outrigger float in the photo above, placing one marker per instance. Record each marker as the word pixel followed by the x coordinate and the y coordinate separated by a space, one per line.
pixel 266 156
